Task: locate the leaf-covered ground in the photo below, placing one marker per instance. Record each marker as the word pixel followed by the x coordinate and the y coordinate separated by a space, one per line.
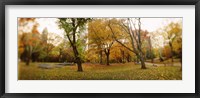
pixel 127 71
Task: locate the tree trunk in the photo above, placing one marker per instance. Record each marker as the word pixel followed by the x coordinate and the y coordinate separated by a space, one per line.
pixel 79 64
pixel 123 56
pixel 100 59
pixel 172 61
pixel 28 57
pixel 78 59
pixel 152 60
pixel 137 59
pixel 172 54
pixel 107 59
pixel 142 62
pixel 181 64
pixel 141 58
pixel 128 58
pixel 181 59
pixel 107 56
pixel 27 61
pixel 60 55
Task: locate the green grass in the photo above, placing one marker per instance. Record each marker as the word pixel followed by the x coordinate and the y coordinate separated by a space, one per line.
pixel 128 71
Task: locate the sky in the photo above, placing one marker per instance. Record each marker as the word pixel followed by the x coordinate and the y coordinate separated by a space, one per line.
pixel 50 24
pixel 152 24
pixel 149 24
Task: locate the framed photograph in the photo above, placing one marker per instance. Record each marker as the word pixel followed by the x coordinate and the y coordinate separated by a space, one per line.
pixel 99 48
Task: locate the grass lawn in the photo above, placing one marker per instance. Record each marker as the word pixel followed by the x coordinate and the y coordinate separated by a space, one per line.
pixel 127 71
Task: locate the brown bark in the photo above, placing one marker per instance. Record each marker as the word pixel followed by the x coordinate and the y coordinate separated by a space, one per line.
pixel 79 64
pixel 107 60
pixel 128 58
pixel 71 35
pixel 100 59
pixel 152 60
pixel 27 61
pixel 181 64
pixel 123 56
pixel 78 59
pixel 142 63
pixel 141 57
pixel 28 57
pixel 107 52
pixel 181 59
pixel 172 54
pixel 135 37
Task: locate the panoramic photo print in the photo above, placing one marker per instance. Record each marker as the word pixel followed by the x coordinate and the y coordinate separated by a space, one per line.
pixel 79 48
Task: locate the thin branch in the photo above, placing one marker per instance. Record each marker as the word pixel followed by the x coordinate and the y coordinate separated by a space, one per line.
pixel 119 41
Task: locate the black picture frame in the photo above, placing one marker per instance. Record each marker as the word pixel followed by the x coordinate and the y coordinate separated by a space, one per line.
pixel 3 3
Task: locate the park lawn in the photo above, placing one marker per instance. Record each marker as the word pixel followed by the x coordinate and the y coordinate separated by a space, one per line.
pixel 167 62
pixel 127 71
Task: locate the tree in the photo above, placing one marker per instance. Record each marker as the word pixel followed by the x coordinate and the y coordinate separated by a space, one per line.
pixel 101 37
pixel 49 40
pixel 29 39
pixel 172 32
pixel 159 48
pixel 31 43
pixel 134 34
pixel 23 25
pixel 150 53
pixel 119 54
pixel 73 27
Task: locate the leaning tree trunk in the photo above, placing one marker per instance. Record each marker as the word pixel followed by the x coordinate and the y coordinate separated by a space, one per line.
pixel 78 59
pixel 79 64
